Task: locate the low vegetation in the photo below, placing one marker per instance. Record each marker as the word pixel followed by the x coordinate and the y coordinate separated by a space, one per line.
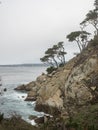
pixel 16 123
pixel 86 118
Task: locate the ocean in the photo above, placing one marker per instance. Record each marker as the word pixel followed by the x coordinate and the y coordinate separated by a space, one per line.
pixel 11 101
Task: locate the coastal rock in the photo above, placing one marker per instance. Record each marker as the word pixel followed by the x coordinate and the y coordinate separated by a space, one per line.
pixel 39 120
pixel 41 78
pixel 27 87
pixel 32 117
pixel 5 89
pixel 30 86
pixel 43 119
pixel 74 84
pixel 21 87
pixel 30 99
pixel 69 83
pixel 32 95
pixel 76 87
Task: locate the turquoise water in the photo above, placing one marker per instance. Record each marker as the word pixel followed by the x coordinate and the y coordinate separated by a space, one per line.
pixel 11 101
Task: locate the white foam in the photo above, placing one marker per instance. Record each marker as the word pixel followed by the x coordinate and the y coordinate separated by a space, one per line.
pixel 21 96
pixel 16 95
pixel 33 103
pixel 32 122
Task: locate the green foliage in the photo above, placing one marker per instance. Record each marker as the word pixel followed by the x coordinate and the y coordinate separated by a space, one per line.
pixel 61 65
pixel 92 17
pixel 73 35
pixel 95 41
pixel 54 56
pixel 72 125
pixel 81 37
pixel 87 118
pixel 50 69
pixel 96 4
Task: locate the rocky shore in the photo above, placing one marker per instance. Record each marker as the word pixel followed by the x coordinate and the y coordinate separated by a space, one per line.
pixel 74 84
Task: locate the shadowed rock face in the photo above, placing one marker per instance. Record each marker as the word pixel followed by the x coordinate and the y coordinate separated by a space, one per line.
pixel 76 86
pixel 75 83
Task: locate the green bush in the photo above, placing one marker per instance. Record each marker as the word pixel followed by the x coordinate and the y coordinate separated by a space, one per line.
pixel 87 118
pixel 51 69
pixel 95 41
pixel 61 65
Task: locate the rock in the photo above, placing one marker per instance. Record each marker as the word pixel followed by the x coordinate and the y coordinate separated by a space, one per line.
pixel 75 87
pixel 30 86
pixel 49 75
pixel 30 99
pixel 39 120
pixel 32 117
pixel 43 119
pixel 46 118
pixel 41 78
pixel 68 83
pixel 21 87
pixel 32 94
pixel 48 109
pixel 5 89
pixel 27 87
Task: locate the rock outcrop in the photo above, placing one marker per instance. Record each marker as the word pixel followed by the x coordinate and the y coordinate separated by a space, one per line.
pixel 75 83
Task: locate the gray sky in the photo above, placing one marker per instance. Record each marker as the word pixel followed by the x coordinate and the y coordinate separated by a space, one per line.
pixel 29 27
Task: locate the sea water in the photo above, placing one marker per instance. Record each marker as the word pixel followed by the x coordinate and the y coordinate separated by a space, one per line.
pixel 11 101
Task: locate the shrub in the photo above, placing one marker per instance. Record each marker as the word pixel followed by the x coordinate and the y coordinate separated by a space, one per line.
pixel 51 69
pixel 94 42
pixel 61 65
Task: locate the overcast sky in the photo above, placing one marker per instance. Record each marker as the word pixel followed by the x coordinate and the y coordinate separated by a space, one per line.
pixel 29 27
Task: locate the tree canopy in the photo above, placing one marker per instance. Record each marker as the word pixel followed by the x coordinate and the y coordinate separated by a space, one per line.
pixel 55 56
pixel 92 17
pixel 81 38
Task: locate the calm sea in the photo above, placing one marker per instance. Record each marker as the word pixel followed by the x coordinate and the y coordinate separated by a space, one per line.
pixel 11 101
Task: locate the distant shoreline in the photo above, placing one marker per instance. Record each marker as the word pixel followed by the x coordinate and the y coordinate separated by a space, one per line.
pixel 25 65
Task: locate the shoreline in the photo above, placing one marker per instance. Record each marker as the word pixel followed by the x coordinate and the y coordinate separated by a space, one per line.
pixel 64 91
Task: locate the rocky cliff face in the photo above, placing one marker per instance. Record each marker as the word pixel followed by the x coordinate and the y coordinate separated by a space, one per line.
pixel 75 83
pixel 81 87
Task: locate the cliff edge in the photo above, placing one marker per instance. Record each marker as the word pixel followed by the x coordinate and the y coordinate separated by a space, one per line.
pixel 75 84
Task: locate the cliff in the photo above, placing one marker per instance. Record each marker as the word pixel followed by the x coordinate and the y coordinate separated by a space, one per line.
pixel 75 84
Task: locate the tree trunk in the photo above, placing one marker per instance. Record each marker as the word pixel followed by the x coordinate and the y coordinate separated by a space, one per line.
pixel 55 62
pixel 79 46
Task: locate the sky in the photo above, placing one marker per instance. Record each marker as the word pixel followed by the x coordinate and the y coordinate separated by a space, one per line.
pixel 29 27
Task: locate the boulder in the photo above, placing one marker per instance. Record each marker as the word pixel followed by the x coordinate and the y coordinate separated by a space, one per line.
pixel 21 87
pixel 41 78
pixel 27 87
pixel 39 120
pixel 32 117
pixel 5 89
pixel 30 99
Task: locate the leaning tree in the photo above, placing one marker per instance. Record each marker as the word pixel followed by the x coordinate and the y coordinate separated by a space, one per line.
pixel 55 56
pixel 61 52
pixel 92 18
pixel 80 37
